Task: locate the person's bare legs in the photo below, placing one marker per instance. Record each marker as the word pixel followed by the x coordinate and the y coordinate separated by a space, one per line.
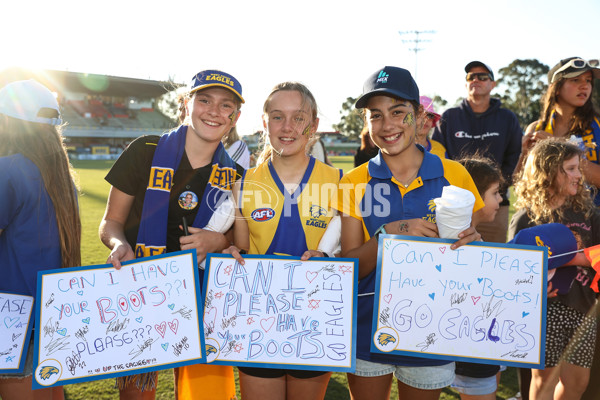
pixel 543 382
pixel 256 388
pixel 572 383
pixel 306 389
pixel 369 388
pixel 131 392
pixel 406 392
pixel 20 389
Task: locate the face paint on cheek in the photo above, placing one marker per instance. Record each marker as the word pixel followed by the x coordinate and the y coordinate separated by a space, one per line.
pixel 409 119
pixel 306 130
pixel 232 117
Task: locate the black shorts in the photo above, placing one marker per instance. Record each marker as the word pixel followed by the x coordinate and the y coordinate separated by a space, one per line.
pixel 278 373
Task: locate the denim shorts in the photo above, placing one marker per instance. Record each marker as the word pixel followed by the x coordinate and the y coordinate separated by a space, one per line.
pixel 474 386
pixel 427 378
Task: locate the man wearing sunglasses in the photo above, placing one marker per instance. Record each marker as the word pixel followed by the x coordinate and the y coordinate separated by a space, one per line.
pixel 480 125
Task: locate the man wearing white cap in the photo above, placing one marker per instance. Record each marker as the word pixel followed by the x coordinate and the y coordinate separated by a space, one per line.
pixel 480 125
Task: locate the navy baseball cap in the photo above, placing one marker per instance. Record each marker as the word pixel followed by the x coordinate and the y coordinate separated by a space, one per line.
pixel 556 237
pixel 390 80
pixel 559 239
pixel 474 64
pixel 212 78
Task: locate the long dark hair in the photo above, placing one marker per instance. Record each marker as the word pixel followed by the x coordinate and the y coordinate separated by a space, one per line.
pixel 43 145
pixel 583 117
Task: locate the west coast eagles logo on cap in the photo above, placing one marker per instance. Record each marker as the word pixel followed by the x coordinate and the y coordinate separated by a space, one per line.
pixel 210 78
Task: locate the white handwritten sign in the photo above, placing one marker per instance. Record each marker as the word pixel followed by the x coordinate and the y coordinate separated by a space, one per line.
pixel 281 312
pixel 483 302
pixel 15 331
pixel 97 322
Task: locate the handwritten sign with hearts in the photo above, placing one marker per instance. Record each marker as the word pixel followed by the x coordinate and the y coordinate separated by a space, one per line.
pixel 97 322
pixel 484 302
pixel 281 312
pixel 16 321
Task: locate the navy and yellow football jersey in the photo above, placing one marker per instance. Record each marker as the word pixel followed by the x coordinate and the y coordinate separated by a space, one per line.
pixel 280 222
pixel 372 195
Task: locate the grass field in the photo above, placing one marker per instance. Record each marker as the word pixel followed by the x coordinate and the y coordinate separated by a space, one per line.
pixel 92 200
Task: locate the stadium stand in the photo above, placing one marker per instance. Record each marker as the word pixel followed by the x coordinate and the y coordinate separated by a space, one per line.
pixel 102 111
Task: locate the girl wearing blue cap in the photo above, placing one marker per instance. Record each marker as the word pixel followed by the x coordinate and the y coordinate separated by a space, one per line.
pixel 551 189
pixel 157 183
pixel 38 202
pixel 403 180
pixel 292 182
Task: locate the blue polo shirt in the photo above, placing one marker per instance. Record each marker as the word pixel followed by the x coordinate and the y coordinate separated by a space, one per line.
pixel 29 240
pixel 371 194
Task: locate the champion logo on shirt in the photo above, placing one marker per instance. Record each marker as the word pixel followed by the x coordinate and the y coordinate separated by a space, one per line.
pixel 262 214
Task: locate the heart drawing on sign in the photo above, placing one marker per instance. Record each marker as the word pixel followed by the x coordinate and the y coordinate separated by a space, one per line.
pixel 174 325
pixel 267 323
pixel 86 320
pixel 165 346
pixel 8 321
pixel 475 299
pixel 161 329
pixel 387 298
pixel 210 317
pixel 310 276
pixel 442 250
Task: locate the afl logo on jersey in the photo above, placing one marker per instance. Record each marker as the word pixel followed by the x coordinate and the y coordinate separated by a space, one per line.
pixel 262 214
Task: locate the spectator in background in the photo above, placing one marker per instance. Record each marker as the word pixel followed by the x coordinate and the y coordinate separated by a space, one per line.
pixel 318 150
pixel 480 125
pixel 237 148
pixel 424 132
pixel 367 149
pixel 568 110
pixel 38 203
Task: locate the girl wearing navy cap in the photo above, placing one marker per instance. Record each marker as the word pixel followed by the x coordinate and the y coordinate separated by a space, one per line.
pixel 551 189
pixel 38 202
pixel 140 221
pixel 408 177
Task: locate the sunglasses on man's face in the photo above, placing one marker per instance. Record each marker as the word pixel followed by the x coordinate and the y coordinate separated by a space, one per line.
pixel 481 76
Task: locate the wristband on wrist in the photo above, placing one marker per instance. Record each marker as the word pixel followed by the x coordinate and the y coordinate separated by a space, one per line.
pixel 380 230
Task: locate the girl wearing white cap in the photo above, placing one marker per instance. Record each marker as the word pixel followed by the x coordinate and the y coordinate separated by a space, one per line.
pixel 568 110
pixel 38 202
pixel 409 178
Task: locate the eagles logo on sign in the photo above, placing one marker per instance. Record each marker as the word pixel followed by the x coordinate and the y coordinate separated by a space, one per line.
pixel 385 338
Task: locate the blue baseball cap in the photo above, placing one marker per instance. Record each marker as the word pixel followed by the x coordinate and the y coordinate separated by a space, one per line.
pixel 29 101
pixel 390 80
pixel 559 239
pixel 213 77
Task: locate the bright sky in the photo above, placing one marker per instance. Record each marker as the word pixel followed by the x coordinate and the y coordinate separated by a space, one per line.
pixel 331 46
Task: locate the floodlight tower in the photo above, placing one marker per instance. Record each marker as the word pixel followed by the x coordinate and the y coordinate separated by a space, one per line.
pixel 416 40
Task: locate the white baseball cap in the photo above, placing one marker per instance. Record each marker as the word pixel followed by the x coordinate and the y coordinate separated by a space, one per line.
pixel 29 101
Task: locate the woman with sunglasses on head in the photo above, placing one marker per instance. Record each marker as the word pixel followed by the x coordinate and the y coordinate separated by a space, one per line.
pixel 399 182
pixel 568 110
